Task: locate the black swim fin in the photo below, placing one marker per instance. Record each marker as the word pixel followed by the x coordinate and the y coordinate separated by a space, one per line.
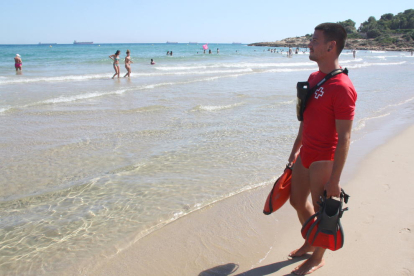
pixel 324 228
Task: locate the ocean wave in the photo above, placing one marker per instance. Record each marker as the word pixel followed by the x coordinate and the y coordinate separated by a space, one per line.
pixel 244 65
pixel 107 76
pixel 90 95
pixel 397 104
pixel 368 64
pixel 150 108
pixel 215 72
pixel 351 61
pixel 288 102
pixel 215 107
pixel 55 79
pixel 264 65
pixel 362 122
pixel 180 68
pixel 4 109
pixel 281 70
pixel 66 99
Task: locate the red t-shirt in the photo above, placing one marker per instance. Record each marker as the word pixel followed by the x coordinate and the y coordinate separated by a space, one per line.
pixel 334 100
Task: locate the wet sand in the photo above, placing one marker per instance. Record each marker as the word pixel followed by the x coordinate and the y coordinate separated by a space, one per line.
pixel 233 237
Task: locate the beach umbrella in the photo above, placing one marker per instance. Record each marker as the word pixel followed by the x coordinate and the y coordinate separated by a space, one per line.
pixel 205 46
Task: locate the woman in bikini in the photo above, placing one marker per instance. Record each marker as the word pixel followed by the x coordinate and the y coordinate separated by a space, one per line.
pixel 115 58
pixel 128 62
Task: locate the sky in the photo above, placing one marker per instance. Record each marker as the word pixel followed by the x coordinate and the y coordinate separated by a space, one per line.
pixel 212 21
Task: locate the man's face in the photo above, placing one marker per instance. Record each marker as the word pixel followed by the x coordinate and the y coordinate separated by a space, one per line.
pixel 317 46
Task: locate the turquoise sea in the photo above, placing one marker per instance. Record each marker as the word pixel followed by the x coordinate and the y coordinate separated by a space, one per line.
pixel 90 165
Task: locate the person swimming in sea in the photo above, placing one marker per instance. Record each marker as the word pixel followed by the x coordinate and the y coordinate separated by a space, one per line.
pixel 128 62
pixel 152 62
pixel 18 63
pixel 115 58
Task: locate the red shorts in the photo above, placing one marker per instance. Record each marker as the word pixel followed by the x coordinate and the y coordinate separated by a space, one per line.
pixel 309 156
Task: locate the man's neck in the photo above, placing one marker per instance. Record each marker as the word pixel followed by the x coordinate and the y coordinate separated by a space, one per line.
pixel 328 66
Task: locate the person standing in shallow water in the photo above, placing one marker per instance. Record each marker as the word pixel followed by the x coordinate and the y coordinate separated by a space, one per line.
pixel 128 62
pixel 324 136
pixel 115 58
pixel 18 63
pixel 290 53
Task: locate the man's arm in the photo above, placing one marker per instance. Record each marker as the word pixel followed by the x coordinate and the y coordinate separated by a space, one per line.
pixel 343 128
pixel 296 146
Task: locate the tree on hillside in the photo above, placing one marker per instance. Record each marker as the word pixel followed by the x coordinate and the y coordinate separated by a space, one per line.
pixel 387 16
pixel 368 25
pixel 349 26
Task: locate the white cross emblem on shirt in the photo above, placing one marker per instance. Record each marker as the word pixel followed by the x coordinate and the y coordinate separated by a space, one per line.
pixel 319 92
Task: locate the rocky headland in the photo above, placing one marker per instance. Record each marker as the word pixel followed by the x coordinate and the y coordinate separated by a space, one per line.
pixel 399 43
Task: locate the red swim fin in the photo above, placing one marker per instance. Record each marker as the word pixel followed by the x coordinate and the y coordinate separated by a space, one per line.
pixel 320 239
pixel 324 228
pixel 280 192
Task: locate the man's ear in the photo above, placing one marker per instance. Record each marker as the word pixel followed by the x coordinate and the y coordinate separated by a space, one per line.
pixel 332 45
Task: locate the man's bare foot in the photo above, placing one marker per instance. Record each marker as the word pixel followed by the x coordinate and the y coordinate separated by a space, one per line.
pixel 309 266
pixel 305 248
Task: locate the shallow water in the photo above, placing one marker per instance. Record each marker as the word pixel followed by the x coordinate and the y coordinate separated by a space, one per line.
pixel 90 164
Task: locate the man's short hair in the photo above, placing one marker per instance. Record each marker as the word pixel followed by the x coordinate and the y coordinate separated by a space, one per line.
pixel 333 32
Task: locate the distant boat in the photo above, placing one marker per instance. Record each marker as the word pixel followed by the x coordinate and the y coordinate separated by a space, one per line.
pixel 193 42
pixel 75 42
pixel 236 43
pixel 40 43
pixel 169 42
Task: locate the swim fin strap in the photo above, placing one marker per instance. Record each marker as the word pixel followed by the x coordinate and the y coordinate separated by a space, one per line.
pixel 324 228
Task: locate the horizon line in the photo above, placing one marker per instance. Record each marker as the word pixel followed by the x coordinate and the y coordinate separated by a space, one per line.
pixel 98 43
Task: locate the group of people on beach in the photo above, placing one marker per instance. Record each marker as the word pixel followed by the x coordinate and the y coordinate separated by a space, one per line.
pixel 115 57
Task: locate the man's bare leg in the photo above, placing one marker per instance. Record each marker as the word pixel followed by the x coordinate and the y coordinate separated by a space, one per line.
pixel 319 173
pixel 299 193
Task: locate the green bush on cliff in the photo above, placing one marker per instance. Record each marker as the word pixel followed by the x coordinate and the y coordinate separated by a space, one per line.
pixel 385 39
pixel 388 21
pixel 374 33
pixel 355 36
pixel 409 36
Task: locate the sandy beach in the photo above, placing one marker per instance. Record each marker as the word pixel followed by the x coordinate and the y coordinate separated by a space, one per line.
pixel 237 239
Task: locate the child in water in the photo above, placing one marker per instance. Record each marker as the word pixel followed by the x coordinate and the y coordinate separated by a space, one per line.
pixel 128 62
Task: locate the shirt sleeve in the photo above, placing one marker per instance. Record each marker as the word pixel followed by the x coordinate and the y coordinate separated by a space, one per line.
pixel 344 102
